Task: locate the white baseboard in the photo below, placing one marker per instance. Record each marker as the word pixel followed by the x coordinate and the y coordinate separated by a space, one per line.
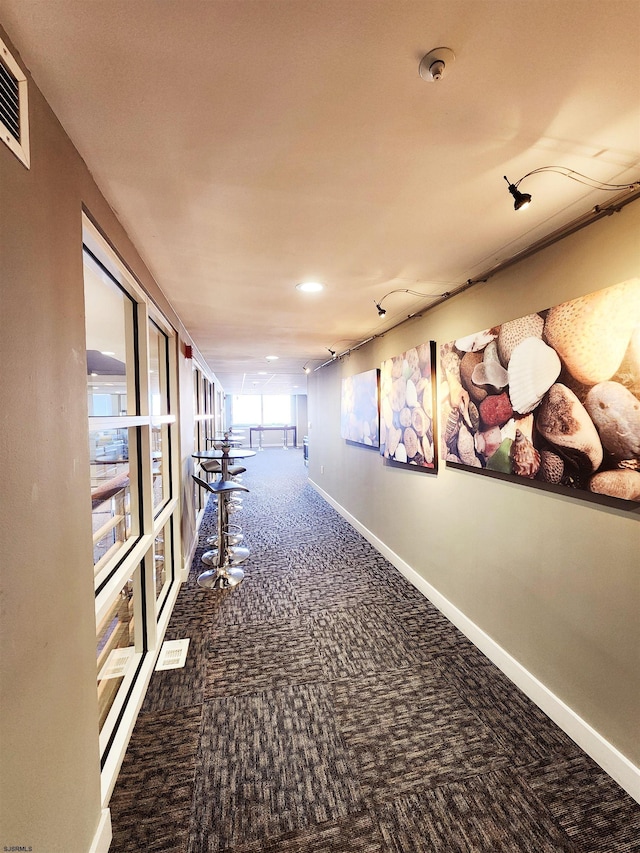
pixel 612 761
pixel 102 839
pixel 188 560
pixel 186 568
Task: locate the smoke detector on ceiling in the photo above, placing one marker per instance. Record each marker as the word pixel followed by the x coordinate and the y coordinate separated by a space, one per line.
pixel 434 64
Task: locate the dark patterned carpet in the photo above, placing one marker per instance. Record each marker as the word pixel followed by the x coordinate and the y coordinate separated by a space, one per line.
pixel 327 707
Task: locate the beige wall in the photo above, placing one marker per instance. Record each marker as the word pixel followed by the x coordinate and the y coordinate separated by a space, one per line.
pixel 50 775
pixel 554 580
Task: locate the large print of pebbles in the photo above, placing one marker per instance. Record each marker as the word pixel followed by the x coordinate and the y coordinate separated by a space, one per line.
pixel 406 408
pixel 552 396
pixel 359 418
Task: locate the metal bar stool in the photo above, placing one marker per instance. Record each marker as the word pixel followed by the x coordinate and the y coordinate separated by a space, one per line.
pixel 214 466
pixel 224 570
pixel 234 531
pixel 211 466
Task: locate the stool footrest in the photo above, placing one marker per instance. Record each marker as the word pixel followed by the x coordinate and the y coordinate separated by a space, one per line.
pixel 221 578
pixel 234 554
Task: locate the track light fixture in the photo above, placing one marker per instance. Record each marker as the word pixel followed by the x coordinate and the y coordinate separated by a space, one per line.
pixel 332 353
pixel 522 200
pixel 382 312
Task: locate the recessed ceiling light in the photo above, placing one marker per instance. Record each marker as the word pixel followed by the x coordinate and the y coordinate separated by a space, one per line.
pixel 310 286
pixel 272 357
pixel 106 352
pixel 262 373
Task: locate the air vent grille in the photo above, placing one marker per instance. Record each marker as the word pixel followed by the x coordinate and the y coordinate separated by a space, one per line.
pixel 173 654
pixel 9 101
pixel 14 110
pixel 117 663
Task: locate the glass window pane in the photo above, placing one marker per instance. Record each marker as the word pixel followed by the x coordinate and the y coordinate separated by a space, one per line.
pixel 159 463
pixel 115 648
pixel 198 439
pixel 196 391
pixel 158 384
pixel 246 409
pixel 111 497
pixel 109 313
pixel 162 561
pixel 210 425
pixel 276 409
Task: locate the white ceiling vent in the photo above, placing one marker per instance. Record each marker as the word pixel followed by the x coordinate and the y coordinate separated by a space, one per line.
pixel 14 109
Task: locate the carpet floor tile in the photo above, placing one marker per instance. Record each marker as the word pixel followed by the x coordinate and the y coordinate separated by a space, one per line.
pixel 359 833
pixel 182 687
pixel 269 763
pixel 409 728
pixel 588 805
pixel 152 803
pixel 248 658
pixel 271 597
pixel 320 591
pixel 493 813
pixel 360 640
pixel 524 731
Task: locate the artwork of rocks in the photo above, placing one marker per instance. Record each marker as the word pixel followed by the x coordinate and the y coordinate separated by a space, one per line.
pixel 406 408
pixel 553 396
pixel 359 416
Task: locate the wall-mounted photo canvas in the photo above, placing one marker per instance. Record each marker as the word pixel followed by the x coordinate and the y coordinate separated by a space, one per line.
pixel 553 397
pixel 359 409
pixel 407 404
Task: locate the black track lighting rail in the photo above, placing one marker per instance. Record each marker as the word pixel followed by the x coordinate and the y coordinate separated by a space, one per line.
pixel 596 213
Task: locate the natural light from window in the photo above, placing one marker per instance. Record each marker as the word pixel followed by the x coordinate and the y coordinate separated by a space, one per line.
pixel 254 409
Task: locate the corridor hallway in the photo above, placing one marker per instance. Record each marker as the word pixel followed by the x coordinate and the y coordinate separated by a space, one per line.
pixel 326 706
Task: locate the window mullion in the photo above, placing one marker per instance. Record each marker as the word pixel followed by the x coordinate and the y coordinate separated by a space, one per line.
pixel 145 459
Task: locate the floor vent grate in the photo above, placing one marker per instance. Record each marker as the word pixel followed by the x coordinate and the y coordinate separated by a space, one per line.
pixel 117 663
pixel 173 654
